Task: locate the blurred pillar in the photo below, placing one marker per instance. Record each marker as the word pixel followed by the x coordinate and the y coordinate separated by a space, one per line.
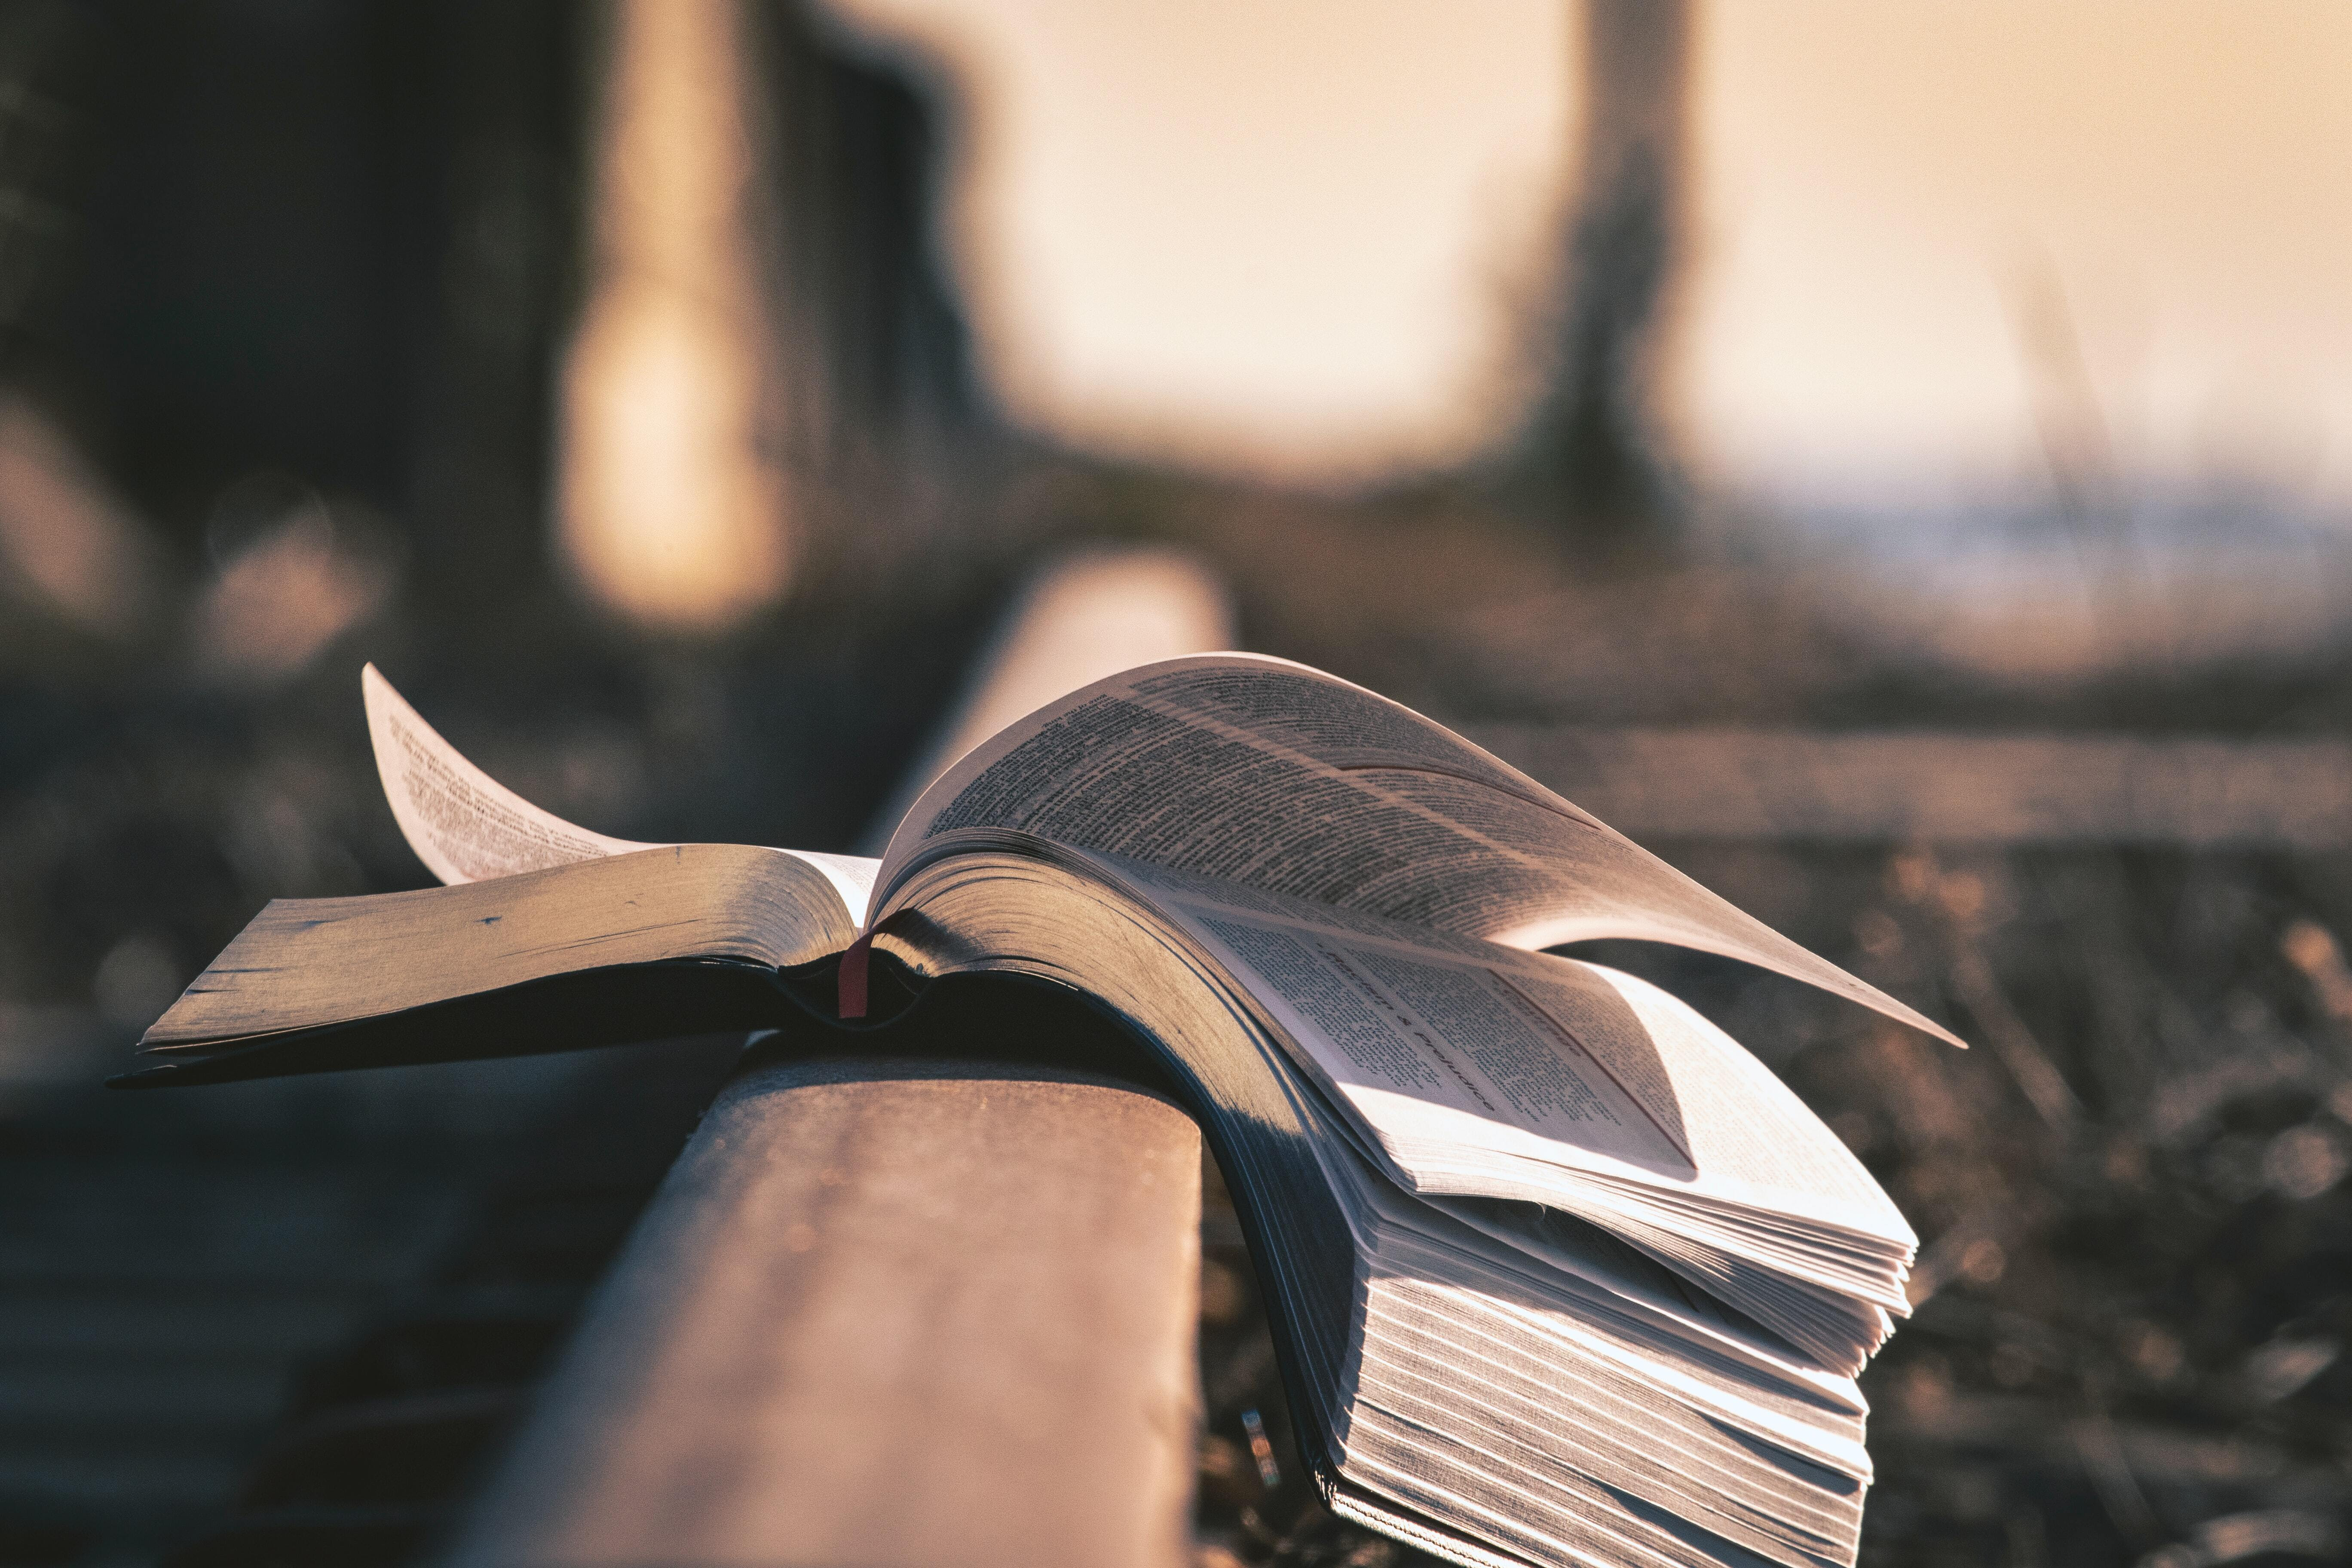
pixel 874 327
pixel 672 502
pixel 1596 435
pixel 766 341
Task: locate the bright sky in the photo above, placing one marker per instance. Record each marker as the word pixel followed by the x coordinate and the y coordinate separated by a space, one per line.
pixel 1286 235
pixel 1888 187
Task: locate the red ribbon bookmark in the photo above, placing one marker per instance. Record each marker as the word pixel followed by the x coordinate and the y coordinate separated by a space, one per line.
pixel 849 980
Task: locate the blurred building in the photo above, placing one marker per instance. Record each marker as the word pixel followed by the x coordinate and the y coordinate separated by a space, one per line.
pixel 255 254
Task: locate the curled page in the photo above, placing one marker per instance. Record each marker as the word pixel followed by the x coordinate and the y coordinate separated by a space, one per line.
pixel 463 824
pixel 1263 773
pixel 468 827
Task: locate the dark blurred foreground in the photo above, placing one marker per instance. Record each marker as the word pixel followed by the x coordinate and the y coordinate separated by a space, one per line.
pixel 287 1323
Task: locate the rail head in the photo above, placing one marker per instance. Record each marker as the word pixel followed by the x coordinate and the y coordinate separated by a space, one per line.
pixel 888 1311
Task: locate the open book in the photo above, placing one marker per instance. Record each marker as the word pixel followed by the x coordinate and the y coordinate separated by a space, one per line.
pixel 1559 1272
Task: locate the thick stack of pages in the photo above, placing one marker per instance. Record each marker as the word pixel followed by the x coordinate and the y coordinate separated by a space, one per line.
pixel 1498 1377
pixel 1559 1272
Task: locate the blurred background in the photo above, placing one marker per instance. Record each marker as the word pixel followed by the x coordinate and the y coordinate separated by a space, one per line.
pixel 1894 460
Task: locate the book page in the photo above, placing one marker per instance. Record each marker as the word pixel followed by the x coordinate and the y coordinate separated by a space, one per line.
pixel 308 964
pixel 467 827
pixel 1485 1048
pixel 1267 774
